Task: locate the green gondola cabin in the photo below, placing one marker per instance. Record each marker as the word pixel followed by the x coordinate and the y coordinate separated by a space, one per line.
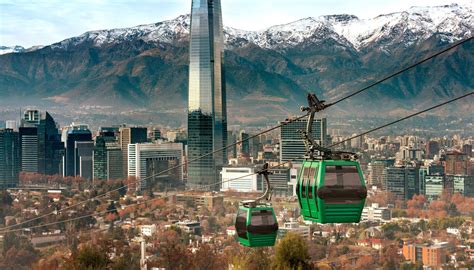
pixel 256 225
pixel 331 191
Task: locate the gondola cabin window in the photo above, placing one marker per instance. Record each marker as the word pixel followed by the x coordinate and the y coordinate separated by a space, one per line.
pixel 342 184
pixel 262 222
pixel 241 224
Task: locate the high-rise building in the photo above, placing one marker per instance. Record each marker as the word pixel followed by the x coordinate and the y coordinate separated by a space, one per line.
pixel 457 163
pixel 107 161
pixel 130 135
pixel 9 158
pixel 2 124
pixel 147 160
pixel 28 149
pixel 41 148
pixel 291 139
pixel 434 185
pixel 432 149
pixel 375 169
pixel 83 154
pixel 401 181
pixel 463 184
pixel 75 133
pixel 207 112
pixel 245 144
pixel 279 179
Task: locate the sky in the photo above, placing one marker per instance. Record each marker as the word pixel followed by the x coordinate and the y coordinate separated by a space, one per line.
pixel 33 22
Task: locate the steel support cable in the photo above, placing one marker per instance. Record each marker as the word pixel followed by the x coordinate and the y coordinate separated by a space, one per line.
pixel 275 166
pixel 250 137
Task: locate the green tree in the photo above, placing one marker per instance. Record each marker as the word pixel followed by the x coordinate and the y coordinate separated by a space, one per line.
pixel 291 253
pixel 389 230
pixel 89 258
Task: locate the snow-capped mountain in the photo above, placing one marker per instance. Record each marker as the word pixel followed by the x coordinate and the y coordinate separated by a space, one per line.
pixel 14 49
pixel 452 22
pixel 268 70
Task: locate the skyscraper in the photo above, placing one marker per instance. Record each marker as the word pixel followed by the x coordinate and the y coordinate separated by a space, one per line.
pixel 207 116
pixel 76 133
pixel 41 148
pixel 9 158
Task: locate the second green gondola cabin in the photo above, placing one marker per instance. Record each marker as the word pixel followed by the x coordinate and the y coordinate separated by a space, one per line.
pixel 331 191
pixel 256 226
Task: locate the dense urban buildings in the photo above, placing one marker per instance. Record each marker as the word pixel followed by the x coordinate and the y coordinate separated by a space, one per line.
pixel 207 113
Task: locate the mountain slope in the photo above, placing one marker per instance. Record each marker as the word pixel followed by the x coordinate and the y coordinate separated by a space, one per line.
pixel 146 65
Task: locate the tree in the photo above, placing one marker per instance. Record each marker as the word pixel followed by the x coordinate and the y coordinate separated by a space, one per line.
pixel 89 257
pixel 390 258
pixel 173 253
pixel 390 229
pixel 291 253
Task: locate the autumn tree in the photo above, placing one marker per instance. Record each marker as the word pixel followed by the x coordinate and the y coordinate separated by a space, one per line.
pixel 173 253
pixel 291 253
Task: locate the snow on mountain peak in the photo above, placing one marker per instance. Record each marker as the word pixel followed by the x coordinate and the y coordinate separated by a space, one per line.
pixel 451 22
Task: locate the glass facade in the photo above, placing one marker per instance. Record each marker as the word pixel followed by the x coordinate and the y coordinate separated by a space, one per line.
pixel 292 146
pixel 9 158
pixel 207 119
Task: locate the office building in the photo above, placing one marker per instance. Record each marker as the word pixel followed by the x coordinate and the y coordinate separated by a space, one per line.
pixel 28 149
pixel 375 169
pixel 432 149
pixel 2 124
pixel 76 133
pixel 147 160
pixel 207 113
pixel 83 151
pixel 429 255
pixel 244 179
pixel 107 156
pixel 376 213
pixel 130 135
pixel 245 143
pixel 41 148
pixel 457 163
pixel 401 181
pixel 434 185
pixel 463 184
pixel 9 158
pixel 292 146
pixel 279 178
pixel 294 227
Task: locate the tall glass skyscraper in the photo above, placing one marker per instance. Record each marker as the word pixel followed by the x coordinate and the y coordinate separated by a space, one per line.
pixel 207 117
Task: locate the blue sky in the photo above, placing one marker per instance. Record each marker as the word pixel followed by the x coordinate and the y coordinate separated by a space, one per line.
pixel 34 22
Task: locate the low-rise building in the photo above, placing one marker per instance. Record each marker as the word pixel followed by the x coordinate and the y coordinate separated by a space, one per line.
pixel 430 255
pixel 294 227
pixel 148 230
pixel 376 213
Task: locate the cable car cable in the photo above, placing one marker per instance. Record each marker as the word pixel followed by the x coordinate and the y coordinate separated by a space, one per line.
pixel 250 137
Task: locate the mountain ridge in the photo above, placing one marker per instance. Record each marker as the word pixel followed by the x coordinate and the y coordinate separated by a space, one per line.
pixel 146 65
